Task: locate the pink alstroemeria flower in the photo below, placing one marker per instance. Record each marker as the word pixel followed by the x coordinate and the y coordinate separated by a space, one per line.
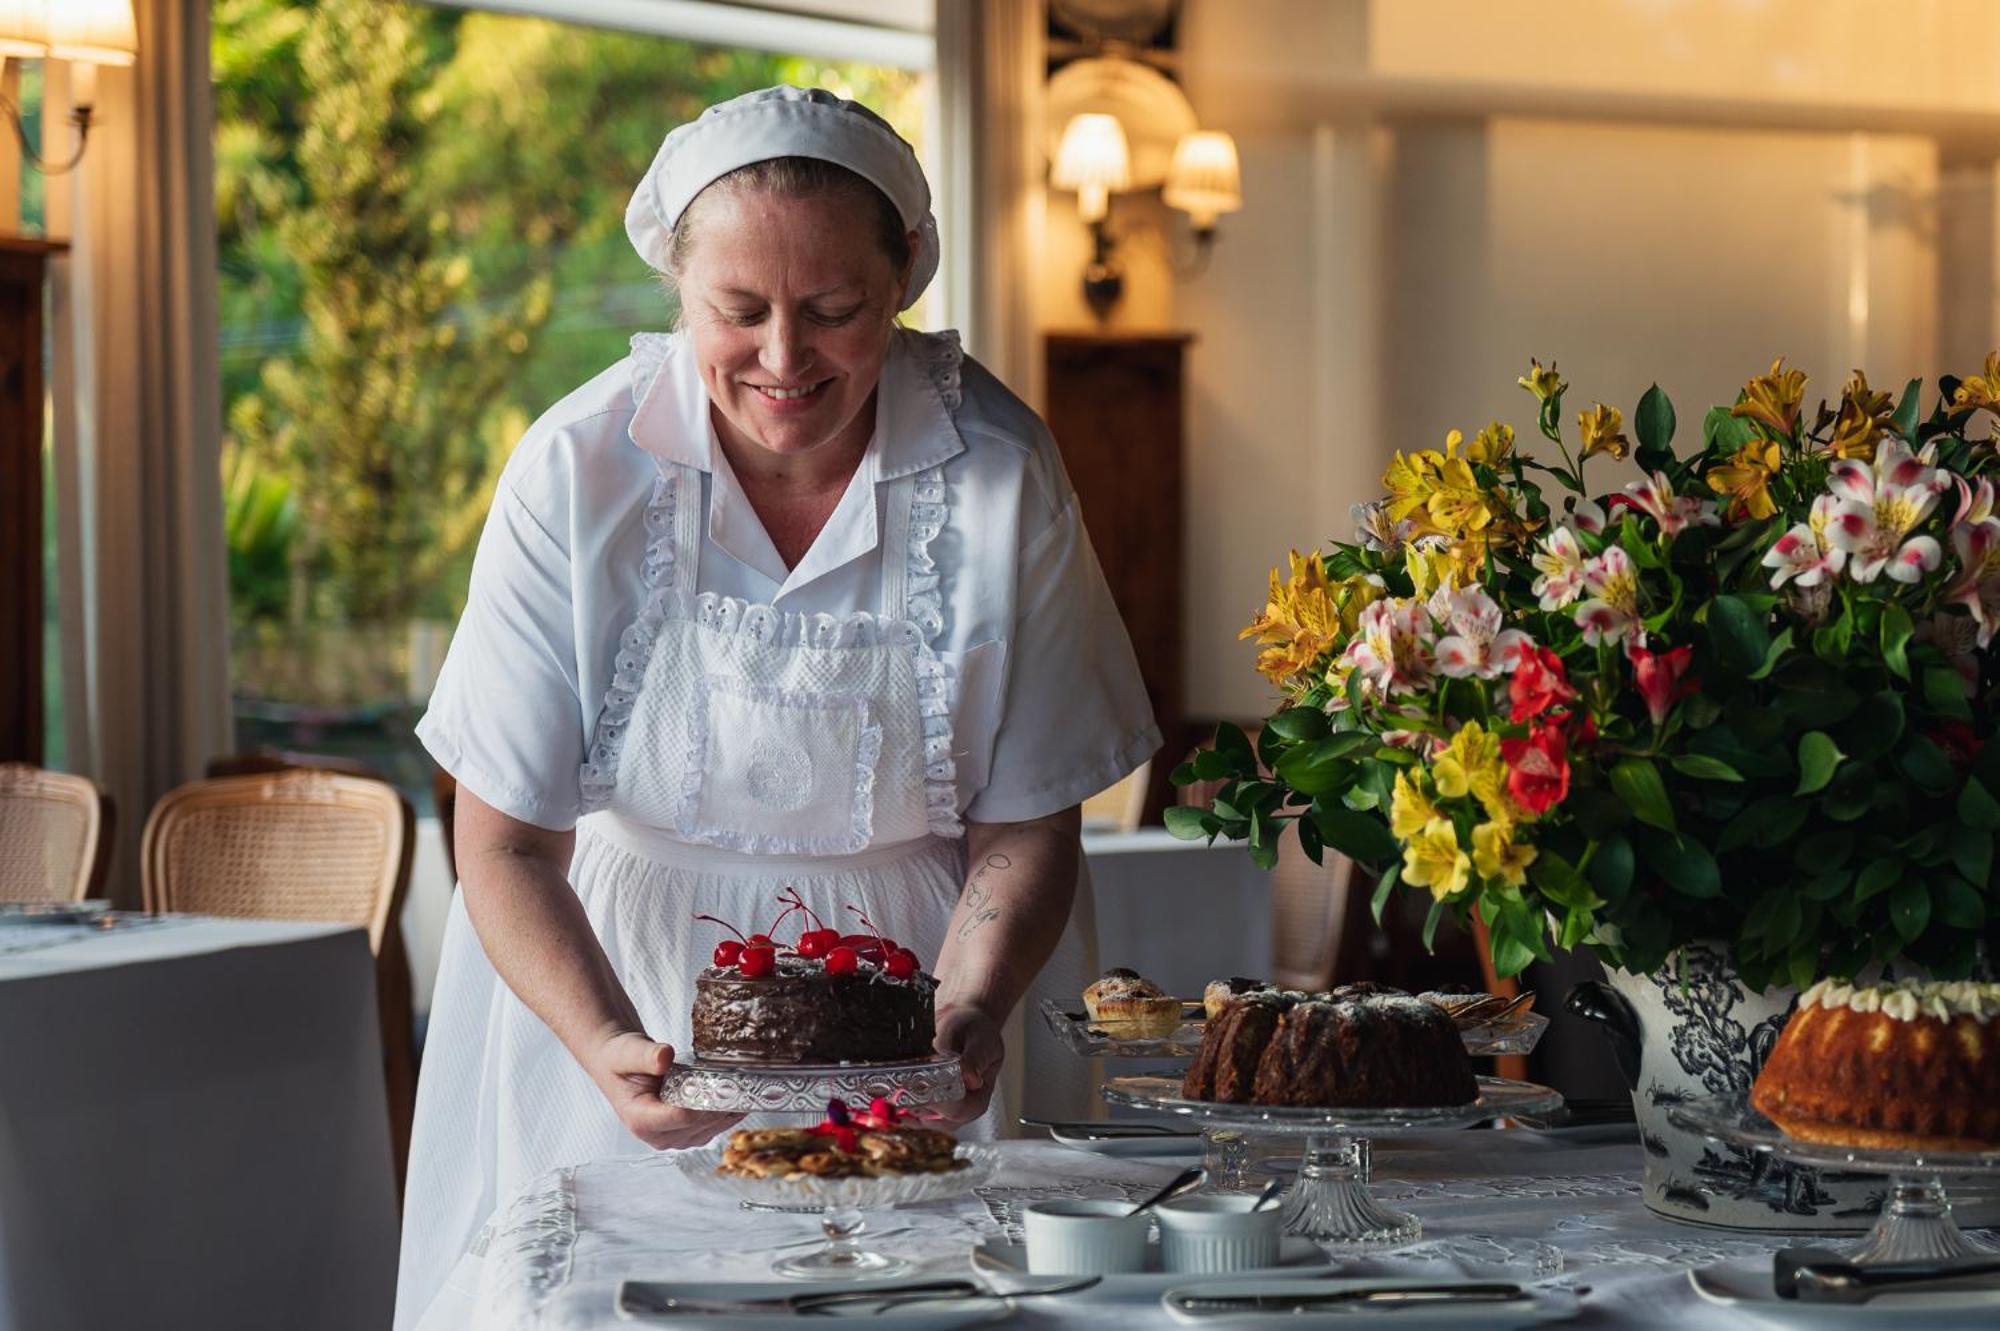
pixel 1880 505
pixel 1977 587
pixel 1613 608
pixel 1806 553
pixel 1958 638
pixel 1586 516
pixel 1674 513
pixel 1392 646
pixel 1560 562
pixel 1476 644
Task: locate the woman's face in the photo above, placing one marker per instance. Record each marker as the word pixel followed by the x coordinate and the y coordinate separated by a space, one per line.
pixel 787 303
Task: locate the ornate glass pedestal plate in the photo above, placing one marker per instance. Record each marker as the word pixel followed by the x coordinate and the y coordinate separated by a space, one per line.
pixel 1915 1224
pixel 1331 1203
pixel 1231 1153
pixel 804 1088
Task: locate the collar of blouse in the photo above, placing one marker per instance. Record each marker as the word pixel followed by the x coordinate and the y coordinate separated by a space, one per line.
pixel 913 431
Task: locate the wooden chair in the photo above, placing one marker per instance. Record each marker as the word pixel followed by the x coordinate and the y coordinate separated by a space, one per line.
pixel 55 835
pixel 1313 927
pixel 1120 807
pixel 300 845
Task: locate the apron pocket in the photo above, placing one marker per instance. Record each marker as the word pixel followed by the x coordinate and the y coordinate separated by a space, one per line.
pixel 780 771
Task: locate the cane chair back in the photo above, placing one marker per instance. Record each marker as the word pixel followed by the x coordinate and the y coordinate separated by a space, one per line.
pixel 55 835
pixel 1312 916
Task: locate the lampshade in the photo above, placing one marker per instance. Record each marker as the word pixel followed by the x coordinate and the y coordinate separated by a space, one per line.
pixel 24 28
pixel 101 32
pixel 1093 160
pixel 1204 179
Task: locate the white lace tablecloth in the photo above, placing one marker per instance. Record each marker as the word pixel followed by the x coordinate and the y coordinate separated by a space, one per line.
pixel 555 1255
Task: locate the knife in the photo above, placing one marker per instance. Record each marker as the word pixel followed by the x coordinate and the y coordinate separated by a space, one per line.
pixel 1378 1296
pixel 1817 1275
pixel 648 1298
pixel 1105 1129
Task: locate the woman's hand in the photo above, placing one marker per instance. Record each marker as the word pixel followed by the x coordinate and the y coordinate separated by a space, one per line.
pixel 627 1067
pixel 972 1034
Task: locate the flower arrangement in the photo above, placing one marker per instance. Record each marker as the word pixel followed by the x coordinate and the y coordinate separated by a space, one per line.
pixel 1746 697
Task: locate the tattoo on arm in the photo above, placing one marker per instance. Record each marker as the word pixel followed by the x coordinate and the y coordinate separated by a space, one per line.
pixel 979 910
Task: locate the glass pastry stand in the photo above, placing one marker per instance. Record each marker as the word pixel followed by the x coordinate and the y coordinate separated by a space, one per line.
pixel 1331 1203
pixel 841 1204
pixel 1915 1224
pixel 803 1088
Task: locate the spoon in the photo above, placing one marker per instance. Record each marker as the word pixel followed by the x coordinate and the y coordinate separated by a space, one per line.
pixel 1186 1181
pixel 1269 1195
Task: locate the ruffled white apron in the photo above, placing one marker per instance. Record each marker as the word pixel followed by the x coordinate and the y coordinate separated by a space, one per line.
pixel 742 749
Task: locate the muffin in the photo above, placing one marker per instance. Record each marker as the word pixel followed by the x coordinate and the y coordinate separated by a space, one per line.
pixel 1125 1003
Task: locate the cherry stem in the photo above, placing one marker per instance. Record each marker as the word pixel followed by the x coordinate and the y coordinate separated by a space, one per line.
pixel 791 894
pixel 725 924
pixel 772 932
pixel 870 926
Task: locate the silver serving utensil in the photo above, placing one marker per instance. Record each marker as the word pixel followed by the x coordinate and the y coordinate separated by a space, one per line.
pixel 1269 1194
pixel 1104 1129
pixel 1818 1275
pixel 1186 1181
pixel 640 1297
pixel 1380 1296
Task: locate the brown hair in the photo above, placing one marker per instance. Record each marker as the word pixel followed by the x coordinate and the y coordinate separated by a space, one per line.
pixel 802 177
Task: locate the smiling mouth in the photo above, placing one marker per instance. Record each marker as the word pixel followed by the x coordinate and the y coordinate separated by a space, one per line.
pixel 790 394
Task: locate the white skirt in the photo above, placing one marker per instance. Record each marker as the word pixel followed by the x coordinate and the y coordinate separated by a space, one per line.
pixel 501 1101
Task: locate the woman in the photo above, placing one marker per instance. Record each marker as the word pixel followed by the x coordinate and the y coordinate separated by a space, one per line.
pixel 791 598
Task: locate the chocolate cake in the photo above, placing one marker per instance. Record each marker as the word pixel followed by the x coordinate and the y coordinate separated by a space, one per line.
pixel 1361 1046
pixel 801 1013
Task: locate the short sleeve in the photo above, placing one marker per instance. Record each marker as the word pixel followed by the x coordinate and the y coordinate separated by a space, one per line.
pixel 1076 718
pixel 505 718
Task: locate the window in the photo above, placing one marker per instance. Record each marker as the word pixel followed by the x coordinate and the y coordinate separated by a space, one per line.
pixel 421 217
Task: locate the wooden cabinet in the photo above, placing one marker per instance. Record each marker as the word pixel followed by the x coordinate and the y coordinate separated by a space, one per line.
pixel 1116 404
pixel 23 268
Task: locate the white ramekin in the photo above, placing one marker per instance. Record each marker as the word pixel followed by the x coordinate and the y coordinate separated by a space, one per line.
pixel 1085 1238
pixel 1212 1233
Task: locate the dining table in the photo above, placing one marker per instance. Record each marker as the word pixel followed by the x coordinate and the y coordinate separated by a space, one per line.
pixel 193 1126
pixel 1560 1207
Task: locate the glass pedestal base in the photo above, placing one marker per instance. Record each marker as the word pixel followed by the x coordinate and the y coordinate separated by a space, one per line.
pixel 1331 1205
pixel 843 1257
pixel 1916 1226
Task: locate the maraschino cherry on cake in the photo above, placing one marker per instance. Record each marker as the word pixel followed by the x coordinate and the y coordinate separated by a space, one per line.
pixel 825 997
pixel 881 1140
pixel 1909 1066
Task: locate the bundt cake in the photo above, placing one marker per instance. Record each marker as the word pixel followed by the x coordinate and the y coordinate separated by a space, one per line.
pixel 1360 1046
pixel 1898 1066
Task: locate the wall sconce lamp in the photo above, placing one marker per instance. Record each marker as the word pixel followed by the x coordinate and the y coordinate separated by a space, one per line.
pixel 87 33
pixel 1094 160
pixel 1204 181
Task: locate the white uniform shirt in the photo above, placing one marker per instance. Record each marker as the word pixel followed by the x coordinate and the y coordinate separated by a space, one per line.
pixel 1048 704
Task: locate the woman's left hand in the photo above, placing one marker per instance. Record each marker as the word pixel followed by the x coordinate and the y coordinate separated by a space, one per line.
pixel 972 1034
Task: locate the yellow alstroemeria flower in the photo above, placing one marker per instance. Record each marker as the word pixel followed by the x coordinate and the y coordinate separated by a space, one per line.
pixel 1746 478
pixel 1410 810
pixel 1544 384
pixel 1446 567
pixel 1498 856
pixel 1471 765
pixel 1492 445
pixel 1306 616
pixel 1773 399
pixel 1979 390
pixel 1457 507
pixel 1410 481
pixel 1603 432
pixel 1432 858
pixel 1862 420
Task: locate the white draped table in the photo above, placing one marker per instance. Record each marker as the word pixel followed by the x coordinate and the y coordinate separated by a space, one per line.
pixel 193 1130
pixel 554 1255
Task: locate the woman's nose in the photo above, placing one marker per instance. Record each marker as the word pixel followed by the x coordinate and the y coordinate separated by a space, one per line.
pixel 786 351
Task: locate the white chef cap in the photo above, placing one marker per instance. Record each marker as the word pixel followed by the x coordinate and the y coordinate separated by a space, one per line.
pixel 782 122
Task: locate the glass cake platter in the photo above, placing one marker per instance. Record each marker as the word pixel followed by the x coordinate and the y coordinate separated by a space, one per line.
pixel 1915 1224
pixel 732 1087
pixel 1330 1203
pixel 1517 1034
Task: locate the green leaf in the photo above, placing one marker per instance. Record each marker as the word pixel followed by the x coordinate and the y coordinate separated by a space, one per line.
pixel 1685 865
pixel 1431 925
pixel 1234 746
pixel 1818 756
pixel 1925 763
pixel 1768 822
pixel 1880 875
pixel 1359 836
pixel 1910 909
pixel 1722 432
pixel 1896 632
pixel 1210 766
pixel 1944 690
pixel 1383 887
pixel 1189 823
pixel 1299 724
pixel 1976 807
pixel 1827 886
pixel 1958 905
pixel 1315 769
pixel 1561 883
pixel 1875 728
pixel 1705 768
pixel 1737 634
pixel 1226 811
pixel 1654 423
pixel 1972 854
pixel 1779 646
pixel 1904 421
pixel 1598 813
pixel 1824 852
pixel 1183 775
pixel 1637 782
pixel 1511 956
pixel 1309 840
pixel 1611 869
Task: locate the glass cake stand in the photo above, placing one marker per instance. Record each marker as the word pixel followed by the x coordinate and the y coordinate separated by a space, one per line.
pixel 804 1088
pixel 1915 1224
pixel 841 1203
pixel 1331 1203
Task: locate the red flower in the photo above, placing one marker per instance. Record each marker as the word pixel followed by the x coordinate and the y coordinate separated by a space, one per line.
pixel 1537 769
pixel 1539 683
pixel 1662 677
pixel 1959 743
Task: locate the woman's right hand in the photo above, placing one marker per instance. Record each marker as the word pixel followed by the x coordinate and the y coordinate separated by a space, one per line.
pixel 627 1067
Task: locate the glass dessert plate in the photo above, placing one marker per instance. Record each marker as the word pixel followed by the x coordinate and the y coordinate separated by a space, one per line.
pixel 730 1087
pixel 841 1203
pixel 1915 1224
pixel 1331 1203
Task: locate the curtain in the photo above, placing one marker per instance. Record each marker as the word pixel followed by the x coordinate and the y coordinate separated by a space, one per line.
pixel 137 392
